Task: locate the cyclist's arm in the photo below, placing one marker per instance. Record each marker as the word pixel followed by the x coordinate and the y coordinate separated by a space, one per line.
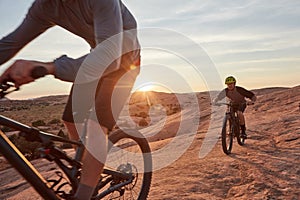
pixel 107 23
pixel 66 68
pixel 220 96
pixel 247 93
pixel 253 98
pixel 31 27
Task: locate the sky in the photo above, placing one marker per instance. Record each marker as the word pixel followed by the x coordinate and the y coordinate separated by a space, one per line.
pixel 257 41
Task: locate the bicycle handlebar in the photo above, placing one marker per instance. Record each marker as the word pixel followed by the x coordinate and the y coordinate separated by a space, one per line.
pixel 233 103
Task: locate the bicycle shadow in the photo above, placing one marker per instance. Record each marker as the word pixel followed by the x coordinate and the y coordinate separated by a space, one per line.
pixel 267 167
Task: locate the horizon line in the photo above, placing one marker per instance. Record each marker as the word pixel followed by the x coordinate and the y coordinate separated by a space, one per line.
pixel 157 91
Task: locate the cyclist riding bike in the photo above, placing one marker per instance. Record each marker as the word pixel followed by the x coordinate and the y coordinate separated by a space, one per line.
pixel 96 22
pixel 237 95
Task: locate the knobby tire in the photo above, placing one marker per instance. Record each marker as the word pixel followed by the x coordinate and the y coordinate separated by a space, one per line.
pixel 136 140
pixel 227 135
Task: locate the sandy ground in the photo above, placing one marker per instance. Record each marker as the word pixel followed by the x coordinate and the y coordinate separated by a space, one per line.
pixel 267 167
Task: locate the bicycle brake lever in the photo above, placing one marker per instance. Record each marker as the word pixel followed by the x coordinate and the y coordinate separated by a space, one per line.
pixel 6 85
pixel 3 93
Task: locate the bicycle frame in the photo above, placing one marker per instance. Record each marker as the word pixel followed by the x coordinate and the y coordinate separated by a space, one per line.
pixel 27 170
pixel 73 165
pixel 233 116
pixel 21 164
pixel 231 127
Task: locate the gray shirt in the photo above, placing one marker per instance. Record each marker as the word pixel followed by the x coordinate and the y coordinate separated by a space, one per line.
pixel 93 20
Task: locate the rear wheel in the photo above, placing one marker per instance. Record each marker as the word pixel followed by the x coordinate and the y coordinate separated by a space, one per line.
pixel 227 135
pixel 128 153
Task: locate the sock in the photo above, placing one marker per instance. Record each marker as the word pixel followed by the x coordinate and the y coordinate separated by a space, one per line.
pixel 84 192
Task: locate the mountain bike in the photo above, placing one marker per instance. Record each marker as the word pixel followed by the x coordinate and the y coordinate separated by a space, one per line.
pixel 231 127
pixel 128 175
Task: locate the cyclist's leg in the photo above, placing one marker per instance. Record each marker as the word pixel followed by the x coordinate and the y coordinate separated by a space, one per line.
pixel 76 112
pixel 112 93
pixel 115 90
pixel 68 119
pixel 79 115
pixel 242 120
pixel 93 160
pixel 72 131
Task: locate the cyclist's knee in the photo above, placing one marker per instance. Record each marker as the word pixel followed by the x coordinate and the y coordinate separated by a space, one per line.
pixel 241 117
pixel 240 113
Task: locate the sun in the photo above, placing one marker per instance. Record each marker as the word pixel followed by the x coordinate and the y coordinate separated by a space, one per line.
pixel 146 88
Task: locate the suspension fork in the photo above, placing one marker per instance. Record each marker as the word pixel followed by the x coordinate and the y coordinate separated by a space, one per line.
pixel 236 123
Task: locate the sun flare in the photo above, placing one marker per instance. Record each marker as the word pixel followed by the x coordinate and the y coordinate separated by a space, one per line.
pixel 146 88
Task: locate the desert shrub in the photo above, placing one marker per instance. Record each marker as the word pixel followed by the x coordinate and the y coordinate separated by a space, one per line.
pixel 143 123
pixel 5 129
pixel 176 109
pixel 63 135
pixel 12 108
pixel 173 110
pixel 22 108
pixel 38 123
pixel 54 121
pixel 143 114
pixel 29 149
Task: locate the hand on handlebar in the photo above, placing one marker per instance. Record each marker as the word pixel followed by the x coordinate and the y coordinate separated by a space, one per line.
pixel 7 84
pixel 23 71
pixel 250 103
pixel 19 73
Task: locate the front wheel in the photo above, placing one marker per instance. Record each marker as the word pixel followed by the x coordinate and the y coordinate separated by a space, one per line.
pixel 129 153
pixel 227 135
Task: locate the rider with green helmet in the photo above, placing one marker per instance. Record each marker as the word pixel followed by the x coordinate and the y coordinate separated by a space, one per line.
pixel 237 94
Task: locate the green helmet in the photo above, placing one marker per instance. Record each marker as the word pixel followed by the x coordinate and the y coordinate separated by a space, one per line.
pixel 230 79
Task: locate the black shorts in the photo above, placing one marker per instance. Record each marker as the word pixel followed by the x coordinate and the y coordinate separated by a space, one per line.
pixel 242 107
pixel 111 95
pixel 239 106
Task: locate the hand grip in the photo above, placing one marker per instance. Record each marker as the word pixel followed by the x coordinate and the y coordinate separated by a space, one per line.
pixel 39 72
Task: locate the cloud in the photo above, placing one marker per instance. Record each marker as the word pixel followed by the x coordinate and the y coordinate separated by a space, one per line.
pixel 247 36
pixel 223 21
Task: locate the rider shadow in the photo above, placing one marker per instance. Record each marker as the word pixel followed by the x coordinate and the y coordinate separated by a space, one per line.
pixel 267 166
